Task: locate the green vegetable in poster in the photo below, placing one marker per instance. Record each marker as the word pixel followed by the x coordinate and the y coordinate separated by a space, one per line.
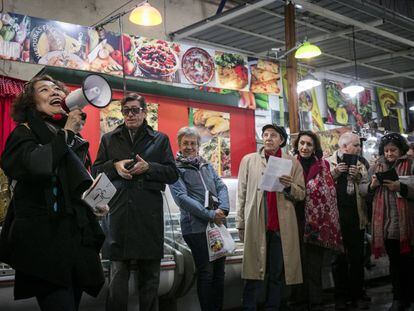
pixel 8 33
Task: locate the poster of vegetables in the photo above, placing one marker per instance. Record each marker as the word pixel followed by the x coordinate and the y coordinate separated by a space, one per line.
pixel 111 116
pixel 343 110
pixel 214 129
pixel 14 37
pixel 329 139
pixel 58 44
pixel 386 100
pixel 308 103
pixel 265 76
pixel 231 71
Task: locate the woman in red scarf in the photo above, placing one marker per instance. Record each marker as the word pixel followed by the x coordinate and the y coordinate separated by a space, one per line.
pixel 393 215
pixel 319 215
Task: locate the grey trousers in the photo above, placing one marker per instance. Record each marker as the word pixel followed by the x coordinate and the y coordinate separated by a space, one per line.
pixel 148 272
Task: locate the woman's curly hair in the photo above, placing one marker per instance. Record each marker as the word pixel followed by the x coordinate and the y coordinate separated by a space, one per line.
pixel 316 143
pixel 25 100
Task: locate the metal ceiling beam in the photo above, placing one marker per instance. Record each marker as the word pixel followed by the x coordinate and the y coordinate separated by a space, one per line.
pixel 215 20
pixel 250 33
pixel 315 9
pixel 363 61
pixel 406 74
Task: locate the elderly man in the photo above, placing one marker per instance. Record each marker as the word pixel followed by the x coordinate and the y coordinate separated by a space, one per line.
pixel 348 268
pixel 267 223
pixel 139 162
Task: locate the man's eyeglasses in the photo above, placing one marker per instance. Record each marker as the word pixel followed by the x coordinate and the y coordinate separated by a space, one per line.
pixel 135 110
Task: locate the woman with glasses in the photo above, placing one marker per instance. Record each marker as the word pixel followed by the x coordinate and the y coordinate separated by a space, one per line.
pixel 393 215
pixel 50 237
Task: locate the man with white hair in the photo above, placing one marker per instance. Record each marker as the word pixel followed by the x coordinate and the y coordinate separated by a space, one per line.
pixel 348 267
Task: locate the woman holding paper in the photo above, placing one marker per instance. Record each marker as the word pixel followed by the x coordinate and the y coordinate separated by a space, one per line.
pixel 393 215
pixel 202 197
pixel 50 237
pixel 318 215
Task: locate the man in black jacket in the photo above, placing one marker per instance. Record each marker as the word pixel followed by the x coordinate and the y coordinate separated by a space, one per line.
pixel 139 162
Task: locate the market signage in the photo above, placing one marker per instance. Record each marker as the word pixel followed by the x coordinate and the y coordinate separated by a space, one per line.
pixel 46 42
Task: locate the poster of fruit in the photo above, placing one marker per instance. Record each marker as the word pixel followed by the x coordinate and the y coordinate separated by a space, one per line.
pixel 386 100
pixel 154 59
pixel 265 76
pixel 104 52
pixel 197 66
pixel 14 37
pixel 308 103
pixel 111 116
pixel 59 44
pixel 343 110
pixel 231 71
pixel 329 139
pixel 214 129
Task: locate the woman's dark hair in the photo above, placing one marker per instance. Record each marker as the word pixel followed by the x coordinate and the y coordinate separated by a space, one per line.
pixel 25 100
pixel 396 139
pixel 134 96
pixel 316 143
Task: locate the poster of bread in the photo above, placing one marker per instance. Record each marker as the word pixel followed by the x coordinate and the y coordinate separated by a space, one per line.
pixel 231 71
pixel 214 129
pixel 265 76
pixel 59 44
pixel 111 116
pixel 14 37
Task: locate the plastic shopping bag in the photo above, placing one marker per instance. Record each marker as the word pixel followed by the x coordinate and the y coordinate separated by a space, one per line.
pixel 219 241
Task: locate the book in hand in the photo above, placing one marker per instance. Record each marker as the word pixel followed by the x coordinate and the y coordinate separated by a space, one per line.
pixel 350 159
pixel 100 193
pixel 387 175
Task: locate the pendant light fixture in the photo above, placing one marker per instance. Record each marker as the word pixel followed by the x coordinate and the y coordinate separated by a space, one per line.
pixel 353 88
pixel 307 50
pixel 308 82
pixel 145 15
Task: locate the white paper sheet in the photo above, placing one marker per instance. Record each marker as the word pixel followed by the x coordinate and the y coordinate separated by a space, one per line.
pixel 275 168
pixel 100 193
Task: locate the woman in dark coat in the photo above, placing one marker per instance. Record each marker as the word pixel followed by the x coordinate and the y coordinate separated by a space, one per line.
pixel 50 237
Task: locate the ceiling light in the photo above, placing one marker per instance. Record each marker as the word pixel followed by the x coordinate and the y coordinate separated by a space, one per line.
pixel 307 50
pixel 298 6
pixel 412 108
pixel 352 89
pixel 145 15
pixel 308 82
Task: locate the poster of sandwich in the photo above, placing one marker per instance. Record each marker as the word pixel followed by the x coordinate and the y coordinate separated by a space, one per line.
pixel 111 116
pixel 214 129
pixel 14 37
pixel 265 77
pixel 387 99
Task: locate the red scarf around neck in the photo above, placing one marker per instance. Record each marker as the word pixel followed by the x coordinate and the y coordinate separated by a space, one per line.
pixel 271 200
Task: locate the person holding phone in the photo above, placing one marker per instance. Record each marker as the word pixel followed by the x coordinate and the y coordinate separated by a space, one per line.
pixel 393 216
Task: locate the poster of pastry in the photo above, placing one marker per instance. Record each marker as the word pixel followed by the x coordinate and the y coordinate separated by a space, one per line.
pixel 154 59
pixel 197 66
pixel 387 99
pixel 104 52
pixel 214 129
pixel 111 116
pixel 231 71
pixel 59 44
pixel 265 77
pixel 14 37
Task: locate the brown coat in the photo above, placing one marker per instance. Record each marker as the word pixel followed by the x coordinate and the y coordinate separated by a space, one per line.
pixel 251 217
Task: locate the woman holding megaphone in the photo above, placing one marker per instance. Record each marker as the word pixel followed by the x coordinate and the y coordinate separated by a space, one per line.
pixel 50 237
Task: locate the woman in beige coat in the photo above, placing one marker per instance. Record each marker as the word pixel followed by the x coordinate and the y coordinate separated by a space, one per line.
pixel 260 226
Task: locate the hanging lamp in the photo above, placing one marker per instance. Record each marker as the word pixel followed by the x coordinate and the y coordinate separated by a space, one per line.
pixel 353 88
pixel 308 82
pixel 307 50
pixel 145 15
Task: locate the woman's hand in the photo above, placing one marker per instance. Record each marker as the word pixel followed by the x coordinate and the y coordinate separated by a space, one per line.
pixel 393 186
pixel 75 121
pixel 101 211
pixel 374 182
pixel 219 217
pixel 286 180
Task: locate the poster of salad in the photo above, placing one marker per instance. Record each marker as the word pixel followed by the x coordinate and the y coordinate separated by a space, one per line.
pixel 14 37
pixel 343 110
pixel 111 116
pixel 214 129
pixel 231 71
pixel 59 44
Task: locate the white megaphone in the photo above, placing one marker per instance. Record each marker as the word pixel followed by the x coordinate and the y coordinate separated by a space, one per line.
pixel 95 90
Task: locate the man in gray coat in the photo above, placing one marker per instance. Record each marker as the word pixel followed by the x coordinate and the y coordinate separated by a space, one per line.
pixel 139 162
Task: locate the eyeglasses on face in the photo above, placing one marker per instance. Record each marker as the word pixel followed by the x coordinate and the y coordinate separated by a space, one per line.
pixel 135 110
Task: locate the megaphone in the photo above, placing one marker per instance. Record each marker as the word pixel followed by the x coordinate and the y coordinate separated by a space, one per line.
pixel 95 91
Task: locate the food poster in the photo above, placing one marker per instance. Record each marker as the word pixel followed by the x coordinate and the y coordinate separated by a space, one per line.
pixel 387 99
pixel 14 37
pixel 197 66
pixel 231 71
pixel 153 59
pixel 308 104
pixel 265 76
pixel 214 129
pixel 104 52
pixel 364 104
pixel 59 44
pixel 329 140
pixel 111 116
